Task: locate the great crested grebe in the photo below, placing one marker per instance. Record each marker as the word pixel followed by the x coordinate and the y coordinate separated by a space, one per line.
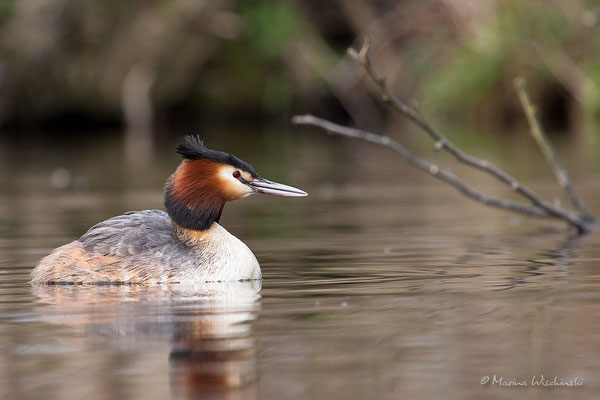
pixel 185 244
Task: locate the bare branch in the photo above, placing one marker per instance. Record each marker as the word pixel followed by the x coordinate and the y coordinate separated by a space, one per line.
pixel 418 162
pixel 540 138
pixel 442 143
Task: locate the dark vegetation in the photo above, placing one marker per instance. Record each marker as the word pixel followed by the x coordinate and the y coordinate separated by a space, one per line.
pixel 100 63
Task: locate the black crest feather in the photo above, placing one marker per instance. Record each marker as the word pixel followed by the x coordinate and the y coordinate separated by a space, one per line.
pixel 193 148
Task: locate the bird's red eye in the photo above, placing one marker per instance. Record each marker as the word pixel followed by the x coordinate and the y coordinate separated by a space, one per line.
pixel 236 174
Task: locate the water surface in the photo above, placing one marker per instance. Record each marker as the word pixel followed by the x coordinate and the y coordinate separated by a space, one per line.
pixel 381 284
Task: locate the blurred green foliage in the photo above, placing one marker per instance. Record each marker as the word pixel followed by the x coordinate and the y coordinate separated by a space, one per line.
pixel 97 61
pixel 251 75
pixel 7 10
pixel 544 41
pixel 270 26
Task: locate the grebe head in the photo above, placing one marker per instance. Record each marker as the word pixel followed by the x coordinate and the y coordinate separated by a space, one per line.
pixel 196 193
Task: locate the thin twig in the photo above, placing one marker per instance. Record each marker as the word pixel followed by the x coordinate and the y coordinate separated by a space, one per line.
pixel 542 141
pixel 442 143
pixel 418 162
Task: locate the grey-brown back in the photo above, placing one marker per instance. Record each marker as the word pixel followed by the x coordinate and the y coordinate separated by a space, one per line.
pixel 132 234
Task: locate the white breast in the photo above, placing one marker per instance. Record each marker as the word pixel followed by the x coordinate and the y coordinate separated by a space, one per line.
pixel 222 257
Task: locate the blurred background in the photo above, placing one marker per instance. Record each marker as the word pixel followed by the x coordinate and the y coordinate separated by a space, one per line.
pixel 105 88
pixel 166 64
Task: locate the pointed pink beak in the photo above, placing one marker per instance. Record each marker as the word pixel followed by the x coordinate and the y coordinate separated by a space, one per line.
pixel 265 186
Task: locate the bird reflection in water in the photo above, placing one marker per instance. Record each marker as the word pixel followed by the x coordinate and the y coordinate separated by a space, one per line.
pixel 212 354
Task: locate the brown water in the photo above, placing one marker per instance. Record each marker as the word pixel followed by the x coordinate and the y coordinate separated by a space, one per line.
pixel 381 284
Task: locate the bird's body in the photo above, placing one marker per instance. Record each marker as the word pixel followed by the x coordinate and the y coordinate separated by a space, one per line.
pixel 143 247
pixel 183 245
